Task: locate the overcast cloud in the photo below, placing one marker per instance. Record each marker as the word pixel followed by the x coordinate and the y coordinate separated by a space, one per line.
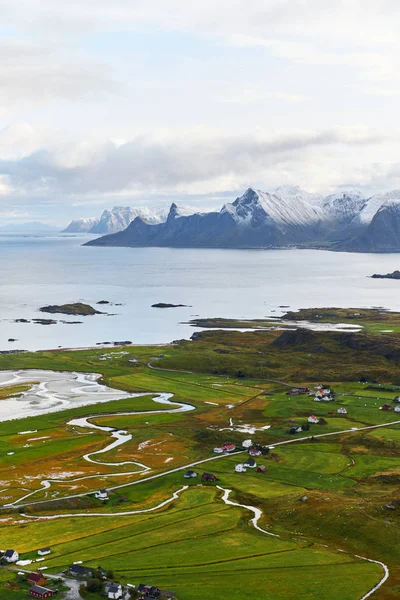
pixel 141 102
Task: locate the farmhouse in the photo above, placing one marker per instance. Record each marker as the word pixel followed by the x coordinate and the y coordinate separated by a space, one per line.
pixel 44 551
pixel 148 591
pixel 240 468
pixel 113 591
pixel 190 474
pixel 342 411
pixel 101 495
pixel 228 447
pixel 36 579
pixel 79 571
pixel 250 462
pixel 11 556
pixel 295 429
pixel 208 477
pixel 38 591
pixel 255 452
pixel 313 419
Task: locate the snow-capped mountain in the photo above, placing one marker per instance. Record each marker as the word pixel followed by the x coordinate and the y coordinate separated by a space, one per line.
pixel 116 219
pixel 119 217
pixel 81 225
pixel 256 207
pixel 288 216
pixel 380 219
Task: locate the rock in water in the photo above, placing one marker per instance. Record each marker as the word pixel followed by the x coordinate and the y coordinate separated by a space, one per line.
pixel 77 308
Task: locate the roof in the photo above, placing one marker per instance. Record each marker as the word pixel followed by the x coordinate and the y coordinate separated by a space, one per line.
pixel 39 589
pixel 35 576
pixel 44 550
pixel 112 587
pixel 9 553
pixel 250 461
pixel 81 570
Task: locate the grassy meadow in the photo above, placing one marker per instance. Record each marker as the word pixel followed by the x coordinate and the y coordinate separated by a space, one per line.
pixel 332 490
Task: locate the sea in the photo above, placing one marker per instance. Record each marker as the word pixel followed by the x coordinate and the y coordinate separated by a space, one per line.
pixel 37 270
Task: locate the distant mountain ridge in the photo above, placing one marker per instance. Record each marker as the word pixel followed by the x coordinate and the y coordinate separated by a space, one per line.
pixel 288 216
pixel 114 220
pixel 32 226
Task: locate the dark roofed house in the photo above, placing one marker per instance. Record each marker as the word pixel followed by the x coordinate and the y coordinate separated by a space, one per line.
pixel 38 591
pixel 148 591
pixel 208 477
pixel 11 556
pixel 190 474
pixel 113 591
pixel 79 571
pixel 44 551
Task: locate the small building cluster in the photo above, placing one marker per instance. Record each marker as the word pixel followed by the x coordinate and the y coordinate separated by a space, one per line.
pixel 323 394
pixel 254 450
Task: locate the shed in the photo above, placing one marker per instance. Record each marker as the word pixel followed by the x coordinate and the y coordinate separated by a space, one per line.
pixel 44 551
pixel 313 419
pixel 208 477
pixel 261 469
pixel 342 410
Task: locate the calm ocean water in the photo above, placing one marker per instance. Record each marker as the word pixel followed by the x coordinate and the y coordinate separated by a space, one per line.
pixel 38 270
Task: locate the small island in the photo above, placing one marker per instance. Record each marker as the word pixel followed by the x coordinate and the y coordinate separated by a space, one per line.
pixel 394 275
pixel 166 305
pixel 78 308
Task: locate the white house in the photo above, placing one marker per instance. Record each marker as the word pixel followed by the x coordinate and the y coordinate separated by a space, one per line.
pixel 101 495
pixel 313 419
pixel 397 408
pixel 218 450
pixel 11 556
pixel 247 444
pixel 44 551
pixel 240 468
pixel 342 411
pixel 114 591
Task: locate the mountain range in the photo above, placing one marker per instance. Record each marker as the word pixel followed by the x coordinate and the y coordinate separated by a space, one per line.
pixel 114 220
pixel 288 216
pixel 30 227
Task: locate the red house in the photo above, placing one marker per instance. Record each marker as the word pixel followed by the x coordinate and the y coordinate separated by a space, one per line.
pixel 37 591
pixel 36 579
pixel 386 407
pixel 208 477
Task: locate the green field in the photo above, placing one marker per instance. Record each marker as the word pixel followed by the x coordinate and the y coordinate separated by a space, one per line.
pixel 197 545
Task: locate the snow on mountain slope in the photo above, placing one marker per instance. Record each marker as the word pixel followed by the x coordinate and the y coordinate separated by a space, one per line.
pixel 256 205
pixel 295 193
pixel 344 206
pixel 176 211
pixel 374 203
pixel 81 225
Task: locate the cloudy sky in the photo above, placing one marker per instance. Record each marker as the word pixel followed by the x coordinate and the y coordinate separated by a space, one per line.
pixel 142 102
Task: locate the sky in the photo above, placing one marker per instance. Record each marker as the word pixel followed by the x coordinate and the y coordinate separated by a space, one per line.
pixel 146 102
